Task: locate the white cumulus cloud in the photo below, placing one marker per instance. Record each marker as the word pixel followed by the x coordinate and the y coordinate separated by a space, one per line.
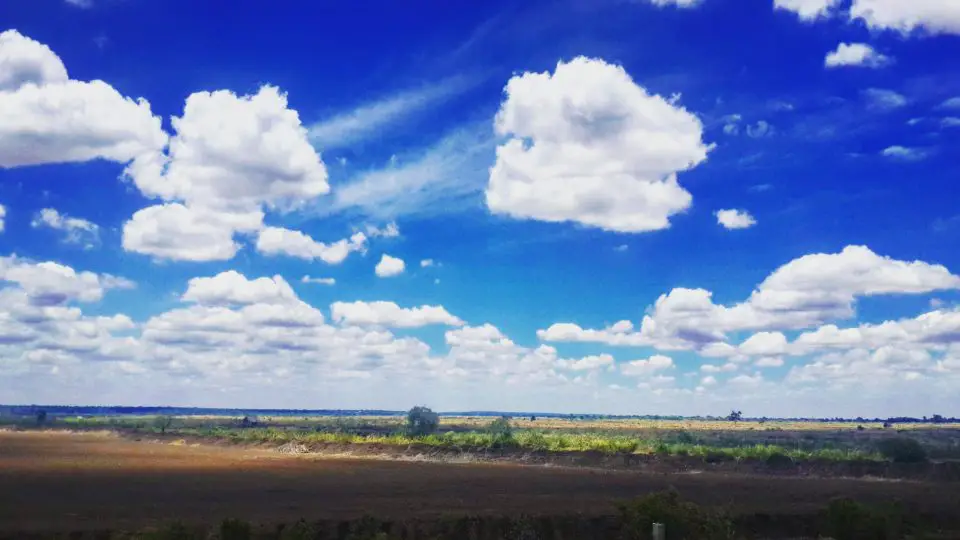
pixel 735 219
pixel 389 266
pixel 233 288
pixel 803 293
pixel 390 230
pixel 390 315
pixel 764 344
pixel 769 362
pixel 187 233
pixel 231 156
pixel 807 10
pixel 53 284
pixel 235 151
pixel 647 366
pixel 280 241
pixel 45 117
pixel 589 145
pixel 906 16
pixel 856 54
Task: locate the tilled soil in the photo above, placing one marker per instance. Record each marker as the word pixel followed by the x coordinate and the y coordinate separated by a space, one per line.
pixel 55 481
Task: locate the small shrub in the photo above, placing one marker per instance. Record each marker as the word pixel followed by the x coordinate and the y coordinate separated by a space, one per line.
pixel 522 528
pixel 902 450
pixel 779 461
pixel 501 433
pixel 713 456
pixel 682 519
pixel 847 519
pixel 366 528
pixel 300 530
pixel 163 423
pixel 500 427
pixel 422 421
pixel 234 529
pixel 533 440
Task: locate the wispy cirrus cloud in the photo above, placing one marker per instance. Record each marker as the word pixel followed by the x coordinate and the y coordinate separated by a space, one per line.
pixel 440 178
pixel 75 230
pixel 903 153
pixel 370 118
pixel 883 99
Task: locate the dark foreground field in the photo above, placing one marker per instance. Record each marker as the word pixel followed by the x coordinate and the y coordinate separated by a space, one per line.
pixel 71 482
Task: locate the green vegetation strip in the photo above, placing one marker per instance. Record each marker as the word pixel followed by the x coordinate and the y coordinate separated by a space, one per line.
pixel 529 440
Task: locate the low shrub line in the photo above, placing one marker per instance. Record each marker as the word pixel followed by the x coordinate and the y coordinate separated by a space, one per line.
pixel 526 440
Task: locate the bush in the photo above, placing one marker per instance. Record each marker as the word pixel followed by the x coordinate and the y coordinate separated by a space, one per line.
pixel 502 432
pixel 234 529
pixel 682 519
pixel 847 519
pixel 367 528
pixel 533 440
pixel 713 456
pixel 163 423
pixel 500 427
pixel 300 530
pixel 902 450
pixel 422 421
pixel 777 460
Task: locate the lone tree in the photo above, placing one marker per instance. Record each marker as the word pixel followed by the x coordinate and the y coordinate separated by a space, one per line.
pixel 422 421
pixel 502 432
pixel 41 417
pixel 163 423
pixel 735 416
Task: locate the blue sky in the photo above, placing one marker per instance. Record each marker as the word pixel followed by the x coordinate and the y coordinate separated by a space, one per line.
pixel 648 206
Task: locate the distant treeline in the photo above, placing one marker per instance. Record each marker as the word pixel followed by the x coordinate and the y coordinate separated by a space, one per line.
pixel 77 410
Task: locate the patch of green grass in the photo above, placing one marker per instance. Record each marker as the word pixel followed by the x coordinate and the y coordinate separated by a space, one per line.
pixel 531 440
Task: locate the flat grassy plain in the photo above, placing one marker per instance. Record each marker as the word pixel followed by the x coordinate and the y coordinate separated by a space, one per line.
pixel 798 440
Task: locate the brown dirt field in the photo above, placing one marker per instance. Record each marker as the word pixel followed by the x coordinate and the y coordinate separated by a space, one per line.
pixel 55 481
